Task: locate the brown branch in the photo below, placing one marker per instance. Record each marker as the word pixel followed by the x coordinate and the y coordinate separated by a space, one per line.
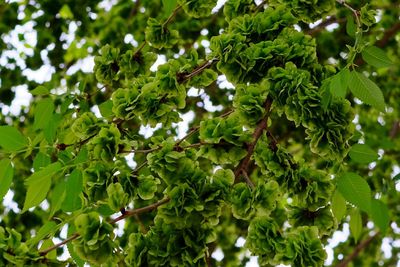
pixel 395 129
pixel 357 251
pixel 47 250
pixel 130 213
pixel 249 182
pixel 174 12
pixel 355 12
pixel 322 26
pixel 262 125
pixel 134 9
pixel 182 77
pixel 123 216
pixel 389 34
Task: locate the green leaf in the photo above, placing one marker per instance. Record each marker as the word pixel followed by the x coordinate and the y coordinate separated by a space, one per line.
pixel 39 184
pixel 351 27
pixel 396 178
pixel 106 108
pixel 41 160
pixel 366 90
pixel 169 6
pixel 46 244
pixel 376 57
pixel 57 197
pixel 74 186
pixel 66 13
pixel 362 153
pixel 355 190
pixel 6 176
pixel 70 246
pixel 380 214
pixel 50 130
pixel 40 90
pixel 47 229
pixel 43 113
pixel 355 224
pixel 11 139
pixel 339 83
pixel 338 205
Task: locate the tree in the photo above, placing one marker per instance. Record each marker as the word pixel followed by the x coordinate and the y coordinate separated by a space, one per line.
pixel 293 132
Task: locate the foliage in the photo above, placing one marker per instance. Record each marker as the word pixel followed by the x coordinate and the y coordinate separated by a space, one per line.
pixel 293 132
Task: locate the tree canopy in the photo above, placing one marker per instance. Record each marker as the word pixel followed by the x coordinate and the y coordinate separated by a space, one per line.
pixel 199 132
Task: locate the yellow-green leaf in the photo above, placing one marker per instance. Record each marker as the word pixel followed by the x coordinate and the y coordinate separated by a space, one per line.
pixel 355 190
pixel 43 113
pixel 355 224
pixel 6 176
pixel 338 205
pixel 362 153
pixel 38 185
pixel 11 139
pixel 376 57
pixel 366 90
pixel 380 214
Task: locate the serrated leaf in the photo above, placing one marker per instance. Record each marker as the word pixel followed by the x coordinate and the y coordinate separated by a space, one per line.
pixel 38 185
pixel 380 214
pixel 339 83
pixel 40 90
pixel 396 177
pixel 355 224
pixel 362 153
pixel 366 90
pixel 73 188
pixel 46 229
pixel 57 197
pixel 338 205
pixel 376 57
pixel 11 139
pixel 43 113
pixel 355 190
pixel 169 6
pixel 6 176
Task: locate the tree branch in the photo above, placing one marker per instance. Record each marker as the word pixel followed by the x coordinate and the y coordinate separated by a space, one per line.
pixel 182 77
pixel 47 250
pixel 262 125
pixel 123 216
pixel 130 213
pixel 389 34
pixel 357 250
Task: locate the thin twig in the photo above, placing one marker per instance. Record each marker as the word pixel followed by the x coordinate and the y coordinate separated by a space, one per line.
pixel 190 133
pixel 140 48
pixel 125 215
pixel 47 250
pixel 182 78
pixel 357 251
pixel 395 129
pixel 262 125
pixel 355 12
pixel 151 207
pixel 174 12
pixel 247 179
